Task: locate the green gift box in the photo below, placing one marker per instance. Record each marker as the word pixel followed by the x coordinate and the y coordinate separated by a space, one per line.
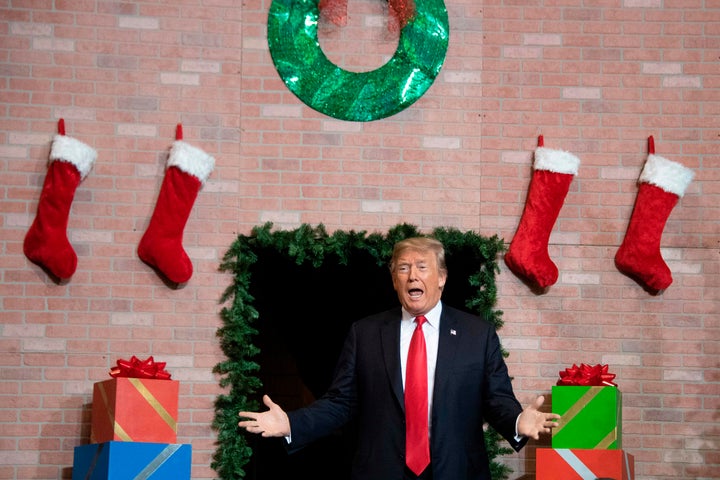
pixel 591 417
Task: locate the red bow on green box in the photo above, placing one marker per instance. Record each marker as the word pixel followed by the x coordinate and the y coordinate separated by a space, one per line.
pixel 586 375
pixel 136 368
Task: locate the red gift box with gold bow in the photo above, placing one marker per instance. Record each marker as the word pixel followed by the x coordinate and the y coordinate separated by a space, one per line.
pixel 139 404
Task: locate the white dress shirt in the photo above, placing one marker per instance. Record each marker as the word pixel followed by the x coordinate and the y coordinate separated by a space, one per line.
pixel 431 329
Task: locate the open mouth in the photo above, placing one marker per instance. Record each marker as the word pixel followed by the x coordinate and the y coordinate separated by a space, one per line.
pixel 415 293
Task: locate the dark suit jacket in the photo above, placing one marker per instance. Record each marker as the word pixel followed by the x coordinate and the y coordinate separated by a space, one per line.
pixel 471 386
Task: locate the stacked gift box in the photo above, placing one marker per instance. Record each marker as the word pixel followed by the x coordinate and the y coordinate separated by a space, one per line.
pixel 587 444
pixel 133 433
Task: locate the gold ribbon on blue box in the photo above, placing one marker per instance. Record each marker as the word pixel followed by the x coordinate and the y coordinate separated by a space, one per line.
pixel 136 460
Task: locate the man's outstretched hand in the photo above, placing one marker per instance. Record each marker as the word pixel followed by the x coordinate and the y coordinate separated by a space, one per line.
pixel 533 422
pixel 271 423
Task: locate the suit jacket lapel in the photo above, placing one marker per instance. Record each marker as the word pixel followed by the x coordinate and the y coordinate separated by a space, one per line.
pixel 448 338
pixel 390 338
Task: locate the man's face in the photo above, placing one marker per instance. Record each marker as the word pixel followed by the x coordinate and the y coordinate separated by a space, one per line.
pixel 418 281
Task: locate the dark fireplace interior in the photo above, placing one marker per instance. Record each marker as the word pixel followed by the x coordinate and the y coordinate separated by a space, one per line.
pixel 304 314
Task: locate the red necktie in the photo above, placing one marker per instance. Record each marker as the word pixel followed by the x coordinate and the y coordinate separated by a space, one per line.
pixel 417 439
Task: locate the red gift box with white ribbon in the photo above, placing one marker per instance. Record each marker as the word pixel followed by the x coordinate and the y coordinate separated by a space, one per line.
pixel 583 464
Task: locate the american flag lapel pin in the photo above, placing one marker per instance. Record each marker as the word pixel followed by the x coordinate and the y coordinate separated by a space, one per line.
pixel 453 332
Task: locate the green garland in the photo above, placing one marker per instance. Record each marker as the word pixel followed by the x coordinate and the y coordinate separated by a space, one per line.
pixel 313 249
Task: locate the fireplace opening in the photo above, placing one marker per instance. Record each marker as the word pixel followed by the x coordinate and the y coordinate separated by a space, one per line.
pixel 293 382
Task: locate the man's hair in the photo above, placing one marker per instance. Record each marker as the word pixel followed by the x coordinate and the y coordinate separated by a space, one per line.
pixel 420 244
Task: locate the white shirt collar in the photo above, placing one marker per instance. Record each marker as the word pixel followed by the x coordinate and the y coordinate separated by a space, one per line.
pixel 433 316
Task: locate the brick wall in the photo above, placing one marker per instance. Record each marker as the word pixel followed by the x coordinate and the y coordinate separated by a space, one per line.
pixel 595 78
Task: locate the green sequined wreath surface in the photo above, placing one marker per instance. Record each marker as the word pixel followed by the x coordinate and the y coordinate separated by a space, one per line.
pixel 356 96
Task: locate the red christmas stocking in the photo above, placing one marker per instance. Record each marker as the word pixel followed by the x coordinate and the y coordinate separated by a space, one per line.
pixel 662 184
pixel 161 246
pixel 46 243
pixel 528 255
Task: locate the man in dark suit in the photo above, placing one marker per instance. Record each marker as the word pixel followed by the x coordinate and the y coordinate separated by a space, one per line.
pixel 467 384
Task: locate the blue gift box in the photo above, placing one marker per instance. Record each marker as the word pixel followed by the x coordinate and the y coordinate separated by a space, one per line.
pixel 132 460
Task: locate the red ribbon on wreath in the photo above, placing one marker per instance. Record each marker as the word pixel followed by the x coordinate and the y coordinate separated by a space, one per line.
pixel 587 375
pixel 136 368
pixel 400 11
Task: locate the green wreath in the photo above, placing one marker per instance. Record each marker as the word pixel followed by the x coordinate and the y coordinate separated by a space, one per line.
pixel 356 96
